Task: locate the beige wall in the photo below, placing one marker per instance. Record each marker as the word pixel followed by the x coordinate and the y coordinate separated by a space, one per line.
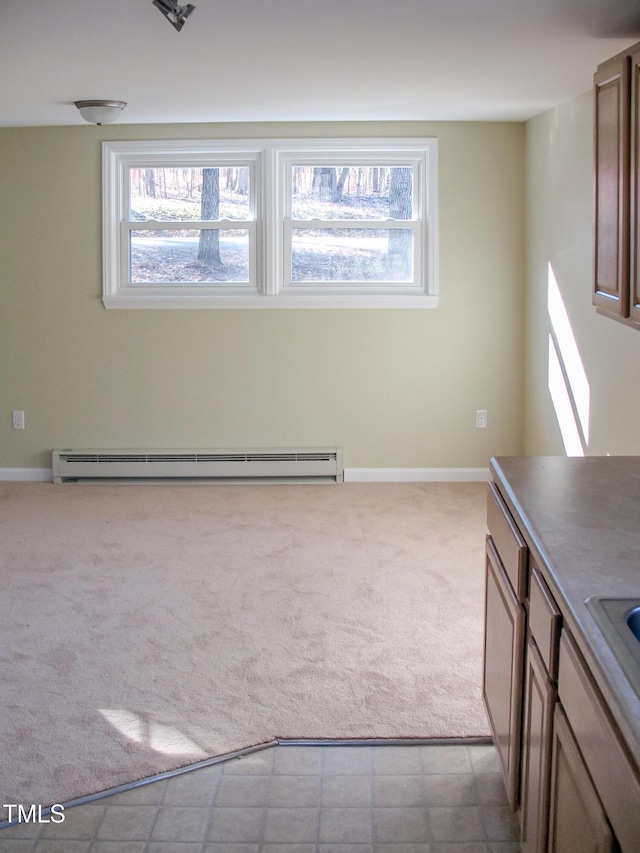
pixel 395 388
pixel 560 233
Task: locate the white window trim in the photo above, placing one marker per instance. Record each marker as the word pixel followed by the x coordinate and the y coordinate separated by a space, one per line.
pixel 269 161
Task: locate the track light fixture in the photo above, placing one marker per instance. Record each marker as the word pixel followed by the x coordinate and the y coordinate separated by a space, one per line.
pixel 176 15
pixel 100 112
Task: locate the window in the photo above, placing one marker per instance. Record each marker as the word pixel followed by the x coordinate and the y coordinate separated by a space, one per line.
pixel 281 223
pixel 181 222
pixel 192 225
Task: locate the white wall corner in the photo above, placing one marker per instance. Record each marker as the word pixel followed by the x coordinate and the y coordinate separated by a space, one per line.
pixel 29 475
pixel 416 475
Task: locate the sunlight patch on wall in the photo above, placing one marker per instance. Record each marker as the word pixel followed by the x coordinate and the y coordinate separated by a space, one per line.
pixel 567 379
pixel 562 405
pixel 167 740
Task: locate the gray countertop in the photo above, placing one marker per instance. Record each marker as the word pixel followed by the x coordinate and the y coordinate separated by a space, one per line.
pixel 581 520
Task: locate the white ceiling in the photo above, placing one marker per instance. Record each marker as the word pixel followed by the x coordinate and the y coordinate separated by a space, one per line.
pixel 325 60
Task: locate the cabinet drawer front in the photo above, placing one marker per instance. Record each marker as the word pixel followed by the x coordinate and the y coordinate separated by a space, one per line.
pixel 605 755
pixel 508 541
pixel 544 622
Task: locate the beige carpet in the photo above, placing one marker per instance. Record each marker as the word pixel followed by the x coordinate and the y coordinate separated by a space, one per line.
pixel 143 628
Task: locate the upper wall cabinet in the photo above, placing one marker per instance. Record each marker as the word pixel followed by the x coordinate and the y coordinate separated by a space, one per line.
pixel 617 199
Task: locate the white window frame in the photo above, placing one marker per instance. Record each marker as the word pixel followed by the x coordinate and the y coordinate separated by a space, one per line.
pixel 270 163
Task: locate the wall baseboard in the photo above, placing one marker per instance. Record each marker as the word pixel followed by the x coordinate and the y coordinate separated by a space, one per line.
pixel 351 475
pixel 30 475
pixel 416 475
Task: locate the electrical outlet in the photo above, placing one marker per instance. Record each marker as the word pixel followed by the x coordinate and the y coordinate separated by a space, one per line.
pixel 18 419
pixel 481 419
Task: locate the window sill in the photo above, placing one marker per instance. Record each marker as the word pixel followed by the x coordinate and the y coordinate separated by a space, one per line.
pixel 288 300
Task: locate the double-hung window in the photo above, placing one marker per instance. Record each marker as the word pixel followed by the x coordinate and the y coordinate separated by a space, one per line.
pixel 180 222
pixel 276 223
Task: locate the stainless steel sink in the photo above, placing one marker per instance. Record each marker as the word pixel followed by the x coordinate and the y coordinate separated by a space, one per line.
pixel 633 621
pixel 619 621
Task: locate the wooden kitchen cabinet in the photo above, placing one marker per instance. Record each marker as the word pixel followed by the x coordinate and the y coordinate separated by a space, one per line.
pixel 614 777
pixel 616 144
pixel 565 768
pixel 539 705
pixel 504 637
pixel 635 186
pixel 541 672
pixel 502 671
pixel 578 823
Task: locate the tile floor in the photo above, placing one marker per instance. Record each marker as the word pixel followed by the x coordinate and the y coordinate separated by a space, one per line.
pixel 299 799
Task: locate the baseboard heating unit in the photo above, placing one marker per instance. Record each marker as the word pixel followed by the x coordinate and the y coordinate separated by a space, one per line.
pixel 226 466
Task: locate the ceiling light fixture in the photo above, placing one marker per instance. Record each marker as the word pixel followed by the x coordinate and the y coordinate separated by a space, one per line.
pixel 175 14
pixel 100 112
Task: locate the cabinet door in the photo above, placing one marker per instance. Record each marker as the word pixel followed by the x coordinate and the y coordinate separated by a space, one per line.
pixel 503 668
pixel 539 703
pixel 577 822
pixel 612 127
pixel 635 185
